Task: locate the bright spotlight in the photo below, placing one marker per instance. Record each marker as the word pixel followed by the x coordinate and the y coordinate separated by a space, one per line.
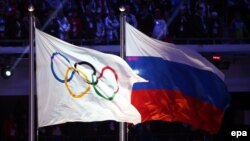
pixel 6 72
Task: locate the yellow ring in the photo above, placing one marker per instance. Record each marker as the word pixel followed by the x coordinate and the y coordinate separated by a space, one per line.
pixel 67 86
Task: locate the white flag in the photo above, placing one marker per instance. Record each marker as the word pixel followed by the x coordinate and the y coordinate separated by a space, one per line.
pixel 79 84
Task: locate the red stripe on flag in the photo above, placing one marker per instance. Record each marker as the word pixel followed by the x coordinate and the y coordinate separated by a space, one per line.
pixel 169 105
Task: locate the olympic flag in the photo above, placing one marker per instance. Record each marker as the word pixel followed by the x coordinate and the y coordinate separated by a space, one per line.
pixel 80 84
pixel 183 86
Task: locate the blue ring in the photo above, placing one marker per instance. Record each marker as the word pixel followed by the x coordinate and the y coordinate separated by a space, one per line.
pixel 53 71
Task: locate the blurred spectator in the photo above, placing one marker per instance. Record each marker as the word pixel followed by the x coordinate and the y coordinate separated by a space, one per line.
pixel 218 6
pixel 82 6
pixel 147 132
pixel 2 25
pixel 114 4
pixel 132 134
pixel 200 24
pixel 64 26
pixel 204 8
pixel 166 17
pixel 238 27
pixel 102 7
pixel 112 26
pixel 160 26
pixel 56 134
pixel 93 6
pixel 99 28
pixel 12 7
pixel 3 6
pixel 215 27
pixel 145 20
pixel 176 3
pixel 10 128
pixel 23 127
pixel 70 5
pixel 113 131
pixel 180 26
pixel 108 130
pixel 165 5
pixel 135 6
pixel 247 6
pixel 248 23
pixel 54 4
pixel 140 14
pixel 89 131
pixel 42 6
pixel 52 27
pixel 98 6
pixel 14 26
pixel 75 22
pixel 43 12
pixel 151 5
pixel 232 7
pixel 130 17
pixel 88 24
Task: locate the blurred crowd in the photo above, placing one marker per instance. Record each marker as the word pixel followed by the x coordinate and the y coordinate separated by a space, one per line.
pixel 98 20
pixel 14 127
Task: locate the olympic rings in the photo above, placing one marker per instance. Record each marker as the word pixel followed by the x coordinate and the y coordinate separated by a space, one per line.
pixel 93 82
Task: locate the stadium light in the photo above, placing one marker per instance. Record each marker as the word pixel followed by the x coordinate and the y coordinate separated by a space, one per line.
pixel 216 57
pixel 6 72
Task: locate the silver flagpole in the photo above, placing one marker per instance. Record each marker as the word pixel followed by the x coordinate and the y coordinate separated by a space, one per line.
pixel 122 125
pixel 31 95
pixel 122 32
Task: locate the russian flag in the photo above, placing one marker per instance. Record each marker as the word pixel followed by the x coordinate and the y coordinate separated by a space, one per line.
pixel 183 86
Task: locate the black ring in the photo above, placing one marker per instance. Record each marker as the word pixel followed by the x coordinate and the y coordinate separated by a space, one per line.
pixel 91 66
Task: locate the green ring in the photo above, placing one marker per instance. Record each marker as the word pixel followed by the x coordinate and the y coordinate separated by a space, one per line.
pixel 101 95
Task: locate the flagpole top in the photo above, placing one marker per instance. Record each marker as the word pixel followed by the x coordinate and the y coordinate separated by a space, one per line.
pixel 31 8
pixel 122 8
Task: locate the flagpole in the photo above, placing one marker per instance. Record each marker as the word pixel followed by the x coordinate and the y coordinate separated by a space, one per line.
pixel 122 125
pixel 31 95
